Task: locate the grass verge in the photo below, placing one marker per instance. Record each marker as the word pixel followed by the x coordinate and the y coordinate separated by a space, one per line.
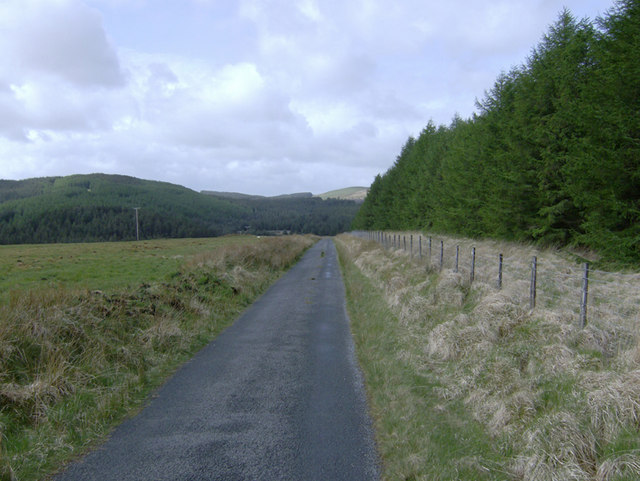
pixel 465 382
pixel 74 362
pixel 419 436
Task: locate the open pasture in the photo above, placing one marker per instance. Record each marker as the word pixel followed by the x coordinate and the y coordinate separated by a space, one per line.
pixel 99 265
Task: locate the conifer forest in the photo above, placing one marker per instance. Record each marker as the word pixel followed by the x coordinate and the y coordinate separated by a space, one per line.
pixel 551 156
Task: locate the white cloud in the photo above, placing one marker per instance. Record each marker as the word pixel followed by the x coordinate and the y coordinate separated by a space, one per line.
pixel 259 96
pixel 62 38
pixel 58 69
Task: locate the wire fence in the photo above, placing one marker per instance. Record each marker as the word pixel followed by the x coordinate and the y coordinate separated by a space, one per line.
pixel 542 281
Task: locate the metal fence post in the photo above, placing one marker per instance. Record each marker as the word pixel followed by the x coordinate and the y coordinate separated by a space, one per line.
pixel 585 293
pixel 472 276
pixel 500 272
pixel 532 291
pixel 457 257
pixel 441 254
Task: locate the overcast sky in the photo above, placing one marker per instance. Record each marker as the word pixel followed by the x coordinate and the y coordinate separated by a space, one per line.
pixel 254 96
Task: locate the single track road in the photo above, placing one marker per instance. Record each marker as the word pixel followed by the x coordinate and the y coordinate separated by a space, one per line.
pixel 277 396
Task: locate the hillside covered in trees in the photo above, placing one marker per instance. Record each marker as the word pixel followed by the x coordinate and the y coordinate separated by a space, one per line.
pixel 99 207
pixel 553 154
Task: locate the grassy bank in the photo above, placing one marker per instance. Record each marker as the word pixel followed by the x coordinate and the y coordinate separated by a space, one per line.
pixel 79 352
pixel 466 383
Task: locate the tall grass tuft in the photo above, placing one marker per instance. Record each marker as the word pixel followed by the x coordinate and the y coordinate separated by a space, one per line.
pixel 73 362
pixel 556 400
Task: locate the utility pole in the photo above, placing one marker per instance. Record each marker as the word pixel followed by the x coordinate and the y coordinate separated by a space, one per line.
pixel 137 228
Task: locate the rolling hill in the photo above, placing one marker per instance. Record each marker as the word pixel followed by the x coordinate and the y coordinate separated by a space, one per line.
pixel 100 207
pixel 357 194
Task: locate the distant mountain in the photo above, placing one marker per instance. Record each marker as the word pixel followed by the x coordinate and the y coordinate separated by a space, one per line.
pixel 298 195
pixel 239 196
pixel 232 195
pixel 357 194
pixel 349 193
pixel 100 207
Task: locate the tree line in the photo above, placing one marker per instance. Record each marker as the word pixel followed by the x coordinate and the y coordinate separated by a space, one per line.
pixel 299 215
pixel 552 155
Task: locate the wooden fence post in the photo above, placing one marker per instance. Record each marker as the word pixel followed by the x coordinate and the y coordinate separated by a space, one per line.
pixel 585 293
pixel 500 272
pixel 420 246
pixel 441 254
pixel 411 237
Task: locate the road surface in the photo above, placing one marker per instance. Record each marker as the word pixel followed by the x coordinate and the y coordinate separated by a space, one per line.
pixel 277 396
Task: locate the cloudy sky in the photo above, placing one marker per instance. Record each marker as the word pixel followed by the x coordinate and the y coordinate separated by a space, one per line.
pixel 255 96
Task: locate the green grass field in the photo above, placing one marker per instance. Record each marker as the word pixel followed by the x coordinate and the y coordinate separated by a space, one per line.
pixel 100 265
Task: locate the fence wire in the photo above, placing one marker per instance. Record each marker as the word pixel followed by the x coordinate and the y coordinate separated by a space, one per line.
pixel 559 285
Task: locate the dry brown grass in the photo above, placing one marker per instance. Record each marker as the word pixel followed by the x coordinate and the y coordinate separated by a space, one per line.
pixel 566 400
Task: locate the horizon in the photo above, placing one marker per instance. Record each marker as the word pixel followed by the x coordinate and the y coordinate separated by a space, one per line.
pixel 198 191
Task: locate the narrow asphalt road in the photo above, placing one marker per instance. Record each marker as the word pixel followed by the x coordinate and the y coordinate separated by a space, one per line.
pixel 277 396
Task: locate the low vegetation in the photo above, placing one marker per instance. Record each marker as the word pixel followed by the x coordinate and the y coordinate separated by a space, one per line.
pixel 79 353
pixel 466 382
